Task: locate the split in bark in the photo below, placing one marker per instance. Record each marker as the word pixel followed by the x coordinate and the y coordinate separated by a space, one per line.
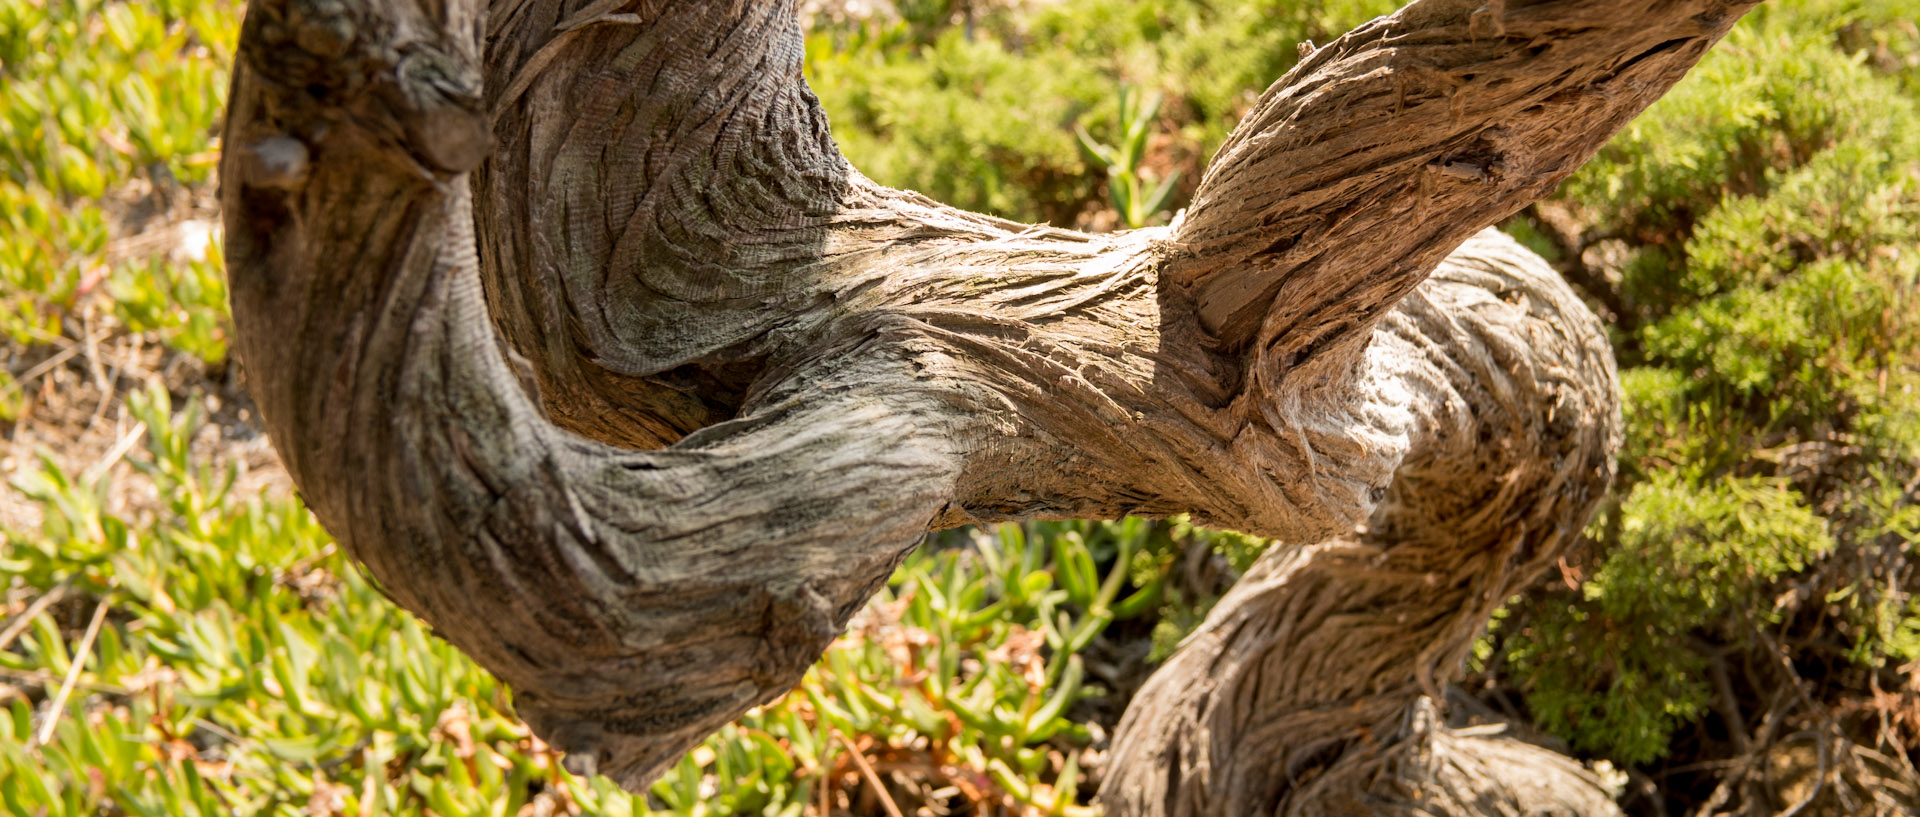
pixel 575 328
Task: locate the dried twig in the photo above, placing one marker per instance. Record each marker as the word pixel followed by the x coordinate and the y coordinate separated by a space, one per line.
pixel 80 654
pixel 826 792
pixel 220 731
pixel 120 449
pixel 1819 782
pixel 1725 701
pixel 38 606
pixel 94 366
pixel 1888 736
pixel 49 364
pixel 48 679
pixel 873 779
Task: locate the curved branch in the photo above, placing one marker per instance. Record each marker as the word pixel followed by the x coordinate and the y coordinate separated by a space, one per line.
pixel 664 179
pixel 634 601
pixel 1379 153
pixel 1307 680
pixel 669 244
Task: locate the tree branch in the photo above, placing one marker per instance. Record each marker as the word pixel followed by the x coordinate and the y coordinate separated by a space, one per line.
pixel 1379 153
pixel 782 374
pixel 1308 677
pixel 631 612
pixel 664 179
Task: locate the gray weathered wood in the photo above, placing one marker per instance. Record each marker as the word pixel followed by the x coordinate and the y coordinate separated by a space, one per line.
pixel 572 325
pixel 1307 689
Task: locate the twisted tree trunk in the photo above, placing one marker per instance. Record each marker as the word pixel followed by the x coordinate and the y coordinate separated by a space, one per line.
pixel 572 324
pixel 1313 686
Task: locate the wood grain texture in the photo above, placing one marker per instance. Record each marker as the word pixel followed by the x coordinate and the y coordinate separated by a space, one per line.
pixel 1311 687
pixel 575 328
pixel 1380 152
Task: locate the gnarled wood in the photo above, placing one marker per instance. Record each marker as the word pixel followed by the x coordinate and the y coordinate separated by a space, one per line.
pixel 1382 151
pixel 574 327
pixel 1310 687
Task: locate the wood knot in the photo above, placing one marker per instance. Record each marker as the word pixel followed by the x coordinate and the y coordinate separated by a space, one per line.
pixel 322 28
pixel 1468 171
pixel 277 162
pixel 445 127
pixel 1487 20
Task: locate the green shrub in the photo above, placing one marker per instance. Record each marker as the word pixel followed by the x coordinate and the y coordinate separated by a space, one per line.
pixel 1771 351
pixel 1615 672
pixel 983 117
pixel 107 108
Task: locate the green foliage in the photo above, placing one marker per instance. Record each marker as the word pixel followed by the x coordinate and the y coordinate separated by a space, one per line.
pixel 1766 211
pixel 1690 553
pixel 1183 609
pixel 1131 189
pixel 1685 557
pixel 983 116
pixel 184 301
pixel 964 121
pixel 1759 167
pixel 94 97
pixel 1771 355
pixel 245 667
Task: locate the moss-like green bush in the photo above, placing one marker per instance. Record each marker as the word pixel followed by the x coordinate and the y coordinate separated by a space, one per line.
pixel 1685 556
pixel 1767 218
pixel 100 104
pixel 982 116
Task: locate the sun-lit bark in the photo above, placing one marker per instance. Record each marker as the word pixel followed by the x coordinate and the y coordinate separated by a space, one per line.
pixel 573 325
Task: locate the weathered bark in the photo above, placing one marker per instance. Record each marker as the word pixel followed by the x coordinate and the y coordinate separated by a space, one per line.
pixel 1310 687
pixel 642 441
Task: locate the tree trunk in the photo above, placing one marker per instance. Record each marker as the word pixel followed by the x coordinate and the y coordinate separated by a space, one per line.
pixel 1313 686
pixel 572 325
